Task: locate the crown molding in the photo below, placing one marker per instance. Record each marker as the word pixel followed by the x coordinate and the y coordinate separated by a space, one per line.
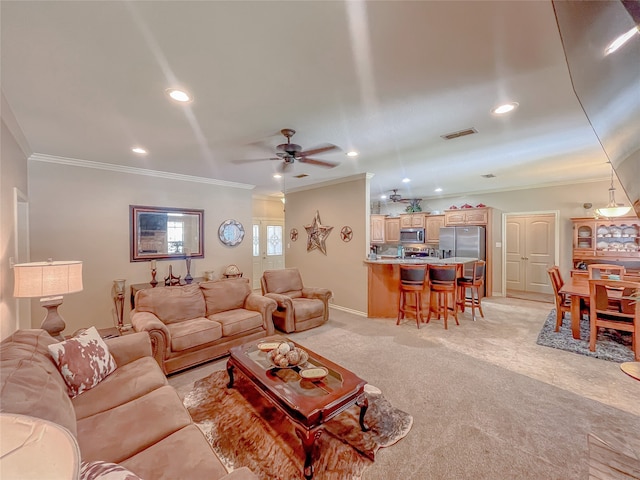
pixel 41 157
pixel 12 124
pixel 335 181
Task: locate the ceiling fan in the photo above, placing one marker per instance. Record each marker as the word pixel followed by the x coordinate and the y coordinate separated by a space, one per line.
pixel 289 153
pixel 414 203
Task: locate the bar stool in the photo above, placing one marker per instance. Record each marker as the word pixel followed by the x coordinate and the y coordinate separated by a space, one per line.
pixel 412 280
pixel 442 282
pixel 473 283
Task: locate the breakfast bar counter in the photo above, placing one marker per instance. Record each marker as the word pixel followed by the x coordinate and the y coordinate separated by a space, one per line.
pixel 384 282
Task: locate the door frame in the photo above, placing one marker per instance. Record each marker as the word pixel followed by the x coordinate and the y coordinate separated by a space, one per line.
pixel 255 284
pixel 556 240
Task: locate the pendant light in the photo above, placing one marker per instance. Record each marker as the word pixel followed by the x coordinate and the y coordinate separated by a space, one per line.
pixel 613 209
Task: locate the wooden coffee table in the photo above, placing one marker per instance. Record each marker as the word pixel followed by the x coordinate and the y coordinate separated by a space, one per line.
pixel 307 404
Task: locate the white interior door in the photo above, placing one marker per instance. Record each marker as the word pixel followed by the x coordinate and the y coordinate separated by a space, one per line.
pixel 529 251
pixel 268 247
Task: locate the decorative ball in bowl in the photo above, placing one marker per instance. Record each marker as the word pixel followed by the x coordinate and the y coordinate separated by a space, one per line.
pixel 287 355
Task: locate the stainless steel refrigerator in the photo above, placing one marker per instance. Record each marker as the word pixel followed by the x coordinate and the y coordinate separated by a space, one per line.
pixel 464 242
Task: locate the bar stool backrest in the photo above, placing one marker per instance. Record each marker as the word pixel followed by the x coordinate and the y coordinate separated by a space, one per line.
pixel 478 271
pixel 442 273
pixel 412 275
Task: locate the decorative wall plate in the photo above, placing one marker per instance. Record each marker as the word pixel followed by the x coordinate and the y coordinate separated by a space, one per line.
pixel 231 233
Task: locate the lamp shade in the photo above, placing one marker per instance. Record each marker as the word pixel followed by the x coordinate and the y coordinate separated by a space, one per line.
pixel 44 279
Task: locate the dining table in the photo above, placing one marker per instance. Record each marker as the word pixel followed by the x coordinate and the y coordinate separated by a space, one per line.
pixel 578 289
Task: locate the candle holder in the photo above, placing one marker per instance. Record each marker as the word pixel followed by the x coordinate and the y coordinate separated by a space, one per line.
pixel 171 279
pixel 118 301
pixel 153 281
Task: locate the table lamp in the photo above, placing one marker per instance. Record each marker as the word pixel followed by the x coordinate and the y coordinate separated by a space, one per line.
pixel 49 281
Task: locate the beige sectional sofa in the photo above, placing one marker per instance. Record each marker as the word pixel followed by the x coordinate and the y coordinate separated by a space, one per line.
pixel 132 417
pixel 195 323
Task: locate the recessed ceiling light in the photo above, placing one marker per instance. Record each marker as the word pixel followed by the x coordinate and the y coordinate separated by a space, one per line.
pixel 383 197
pixel 352 153
pixel 277 175
pixel 139 150
pixel 505 108
pixel 438 189
pixel 621 40
pixel 406 180
pixel 179 95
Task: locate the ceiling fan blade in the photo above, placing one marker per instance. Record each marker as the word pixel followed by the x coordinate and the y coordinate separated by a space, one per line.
pixel 320 163
pixel 319 149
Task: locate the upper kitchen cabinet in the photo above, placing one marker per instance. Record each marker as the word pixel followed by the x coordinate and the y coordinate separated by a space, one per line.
pixel 377 226
pixel 607 239
pixel 392 229
pixel 466 216
pixel 412 220
pixel 432 229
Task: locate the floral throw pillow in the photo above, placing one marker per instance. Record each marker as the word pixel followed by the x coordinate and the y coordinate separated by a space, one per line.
pixel 105 471
pixel 83 361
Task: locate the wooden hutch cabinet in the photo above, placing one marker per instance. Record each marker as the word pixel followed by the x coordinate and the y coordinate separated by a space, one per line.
pixel 607 241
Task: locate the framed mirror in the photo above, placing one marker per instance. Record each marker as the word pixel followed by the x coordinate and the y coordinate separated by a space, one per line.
pixel 159 232
pixel 231 233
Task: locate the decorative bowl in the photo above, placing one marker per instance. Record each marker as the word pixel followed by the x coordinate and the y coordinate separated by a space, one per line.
pixel 287 355
pixel 267 346
pixel 314 373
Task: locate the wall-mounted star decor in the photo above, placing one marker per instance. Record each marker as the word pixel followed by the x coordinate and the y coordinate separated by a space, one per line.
pixel 346 234
pixel 317 234
pixel 293 234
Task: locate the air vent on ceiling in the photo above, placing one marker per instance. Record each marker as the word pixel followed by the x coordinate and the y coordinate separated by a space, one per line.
pixel 461 133
pixel 302 175
pixel 488 175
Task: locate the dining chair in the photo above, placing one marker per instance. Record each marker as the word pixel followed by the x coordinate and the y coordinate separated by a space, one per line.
pixel 603 270
pixel 412 281
pixel 625 315
pixel 563 301
pixel 443 287
pixel 473 283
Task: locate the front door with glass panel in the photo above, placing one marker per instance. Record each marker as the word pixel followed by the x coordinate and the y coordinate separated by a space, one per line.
pixel 268 247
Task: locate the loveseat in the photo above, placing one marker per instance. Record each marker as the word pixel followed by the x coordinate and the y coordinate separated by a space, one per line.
pixel 132 417
pixel 195 323
pixel 299 307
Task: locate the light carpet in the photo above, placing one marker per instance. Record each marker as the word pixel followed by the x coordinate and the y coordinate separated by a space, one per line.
pixel 244 429
pixel 610 345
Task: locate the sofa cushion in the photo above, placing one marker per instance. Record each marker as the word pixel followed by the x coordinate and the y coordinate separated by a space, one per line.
pixel 172 304
pixel 30 383
pixel 306 308
pixel 105 471
pixel 237 321
pixel 197 460
pixel 84 361
pixel 125 430
pixel 285 281
pixel 223 295
pixel 128 382
pixel 192 333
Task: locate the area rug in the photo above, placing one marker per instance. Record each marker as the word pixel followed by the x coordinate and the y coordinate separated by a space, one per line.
pixel 611 345
pixel 245 430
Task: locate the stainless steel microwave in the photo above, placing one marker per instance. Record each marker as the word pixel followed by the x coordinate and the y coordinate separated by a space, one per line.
pixel 412 235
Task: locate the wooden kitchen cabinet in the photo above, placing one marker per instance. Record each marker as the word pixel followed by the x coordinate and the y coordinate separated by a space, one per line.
pixel 377 228
pixel 392 229
pixel 412 220
pixel 432 229
pixel 466 216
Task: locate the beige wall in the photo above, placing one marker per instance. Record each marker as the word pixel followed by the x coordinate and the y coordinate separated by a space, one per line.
pixel 268 207
pixel 568 200
pixel 80 213
pixel 13 174
pixel 342 269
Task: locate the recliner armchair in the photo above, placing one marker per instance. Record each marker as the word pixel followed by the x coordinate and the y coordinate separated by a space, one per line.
pixel 299 307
